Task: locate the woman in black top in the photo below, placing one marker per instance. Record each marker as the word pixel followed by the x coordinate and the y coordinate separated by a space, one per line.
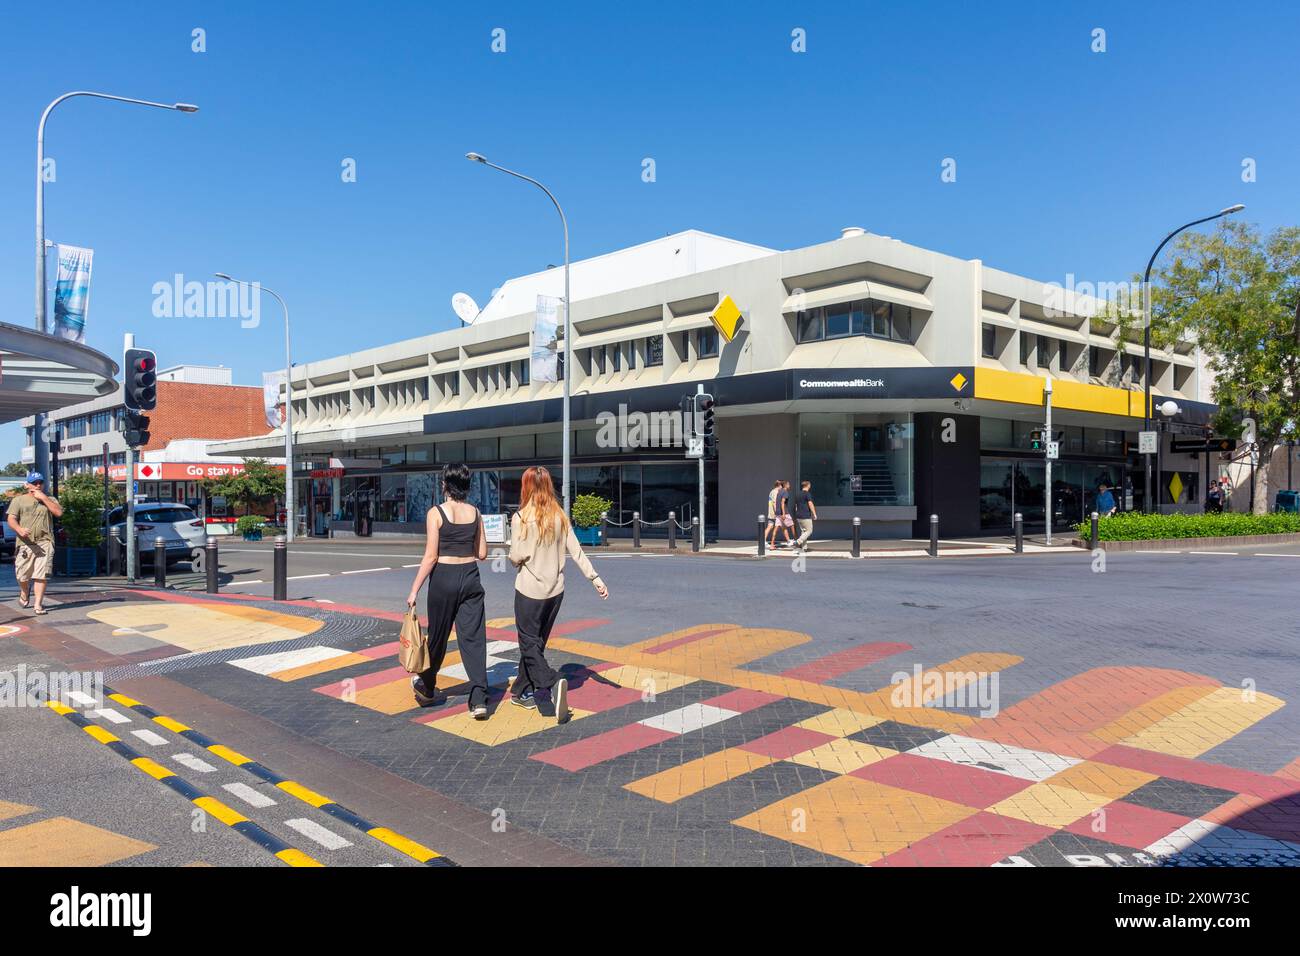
pixel 456 543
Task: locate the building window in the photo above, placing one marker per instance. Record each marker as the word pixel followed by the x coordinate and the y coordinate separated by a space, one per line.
pixel 519 447
pixel 810 326
pixel 1094 361
pixel 598 361
pixel 989 335
pixel 1026 347
pixel 654 350
pixel 524 368
pixel 707 342
pixel 838 321
pixel 481 449
pixel 862 317
pixel 1044 358
pixel 618 357
pixel 559 365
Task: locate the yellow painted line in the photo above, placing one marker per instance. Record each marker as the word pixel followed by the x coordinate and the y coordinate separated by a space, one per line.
pixel 303 794
pixel 225 753
pixel 400 843
pixel 219 810
pixel 58 708
pixel 297 858
pixel 173 725
pixel 100 734
pixel 155 770
pixel 124 700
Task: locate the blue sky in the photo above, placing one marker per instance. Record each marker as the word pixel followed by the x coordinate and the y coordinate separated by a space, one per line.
pixel 1068 161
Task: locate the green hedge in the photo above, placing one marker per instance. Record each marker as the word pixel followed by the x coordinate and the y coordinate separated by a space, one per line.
pixel 1134 526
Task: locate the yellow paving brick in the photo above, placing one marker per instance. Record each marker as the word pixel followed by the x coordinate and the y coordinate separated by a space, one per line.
pixel 508 722
pixel 858 820
pixel 394 697
pixel 673 784
pixel 205 627
pixel 646 678
pixel 1102 779
pixel 1152 711
pixel 1205 723
pixel 1049 805
pixel 10 810
pixel 319 667
pixel 842 756
pixel 61 841
pixel 840 722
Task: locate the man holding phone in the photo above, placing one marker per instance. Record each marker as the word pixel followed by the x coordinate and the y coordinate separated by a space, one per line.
pixel 31 516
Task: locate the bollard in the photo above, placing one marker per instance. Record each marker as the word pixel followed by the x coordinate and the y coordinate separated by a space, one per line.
pixel 1019 524
pixel 697 532
pixel 934 536
pixel 636 529
pixel 281 567
pixel 159 563
pixel 116 561
pixel 1095 533
pixel 604 528
pixel 762 535
pixel 672 531
pixel 856 549
pixel 210 563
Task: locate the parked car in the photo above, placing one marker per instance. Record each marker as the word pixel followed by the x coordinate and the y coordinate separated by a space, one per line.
pixel 178 526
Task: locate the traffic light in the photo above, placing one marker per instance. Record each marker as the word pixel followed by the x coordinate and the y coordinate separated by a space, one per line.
pixel 136 429
pixel 139 380
pixel 704 406
pixel 1037 440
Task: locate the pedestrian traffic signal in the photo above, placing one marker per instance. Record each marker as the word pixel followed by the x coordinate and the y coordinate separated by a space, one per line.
pixel 704 407
pixel 139 380
pixel 136 430
pixel 1037 440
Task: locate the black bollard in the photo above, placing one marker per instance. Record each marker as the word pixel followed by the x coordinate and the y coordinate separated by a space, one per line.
pixel 672 531
pixel 762 535
pixel 210 563
pixel 1019 524
pixel 281 567
pixel 934 536
pixel 1095 532
pixel 604 528
pixel 856 549
pixel 159 563
pixel 636 529
pixel 697 533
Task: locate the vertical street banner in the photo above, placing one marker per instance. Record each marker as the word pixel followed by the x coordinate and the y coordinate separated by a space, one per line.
pixel 543 361
pixel 72 292
pixel 271 402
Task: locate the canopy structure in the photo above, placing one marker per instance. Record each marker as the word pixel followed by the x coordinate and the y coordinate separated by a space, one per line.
pixel 39 373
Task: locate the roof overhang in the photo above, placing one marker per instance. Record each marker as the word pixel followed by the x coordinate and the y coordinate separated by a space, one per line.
pixel 39 372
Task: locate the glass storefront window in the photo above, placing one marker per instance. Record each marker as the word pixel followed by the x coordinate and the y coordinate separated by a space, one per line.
pixel 419 454
pixel 394 456
pixel 550 444
pixel 392 498
pixel 517 447
pixel 996 433
pixel 450 452
pixel 862 460
pixel 481 449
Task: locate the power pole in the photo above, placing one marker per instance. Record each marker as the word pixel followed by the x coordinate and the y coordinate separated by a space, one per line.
pixel 129 343
pixel 1047 427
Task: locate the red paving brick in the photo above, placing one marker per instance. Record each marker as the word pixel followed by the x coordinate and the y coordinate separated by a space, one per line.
pixel 842 662
pixel 787 742
pixel 969 786
pixel 613 743
pixel 1129 825
pixel 980 840
pixel 1200 771
pixel 742 701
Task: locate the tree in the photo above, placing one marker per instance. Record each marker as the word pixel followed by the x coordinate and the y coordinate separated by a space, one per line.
pixel 82 497
pixel 259 482
pixel 15 469
pixel 1237 295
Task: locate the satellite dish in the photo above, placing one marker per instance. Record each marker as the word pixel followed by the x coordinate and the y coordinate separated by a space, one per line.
pixel 463 304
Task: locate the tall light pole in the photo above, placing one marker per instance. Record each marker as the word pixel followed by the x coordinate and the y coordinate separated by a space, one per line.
pixel 41 446
pixel 1148 496
pixel 290 517
pixel 568 331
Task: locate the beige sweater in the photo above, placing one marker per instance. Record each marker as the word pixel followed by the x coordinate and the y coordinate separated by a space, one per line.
pixel 541 566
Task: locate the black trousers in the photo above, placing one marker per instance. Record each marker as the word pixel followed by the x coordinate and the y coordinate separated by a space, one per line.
pixel 533 622
pixel 456 597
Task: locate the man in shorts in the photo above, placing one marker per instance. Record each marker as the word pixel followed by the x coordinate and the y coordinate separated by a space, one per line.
pixel 771 513
pixel 783 519
pixel 31 516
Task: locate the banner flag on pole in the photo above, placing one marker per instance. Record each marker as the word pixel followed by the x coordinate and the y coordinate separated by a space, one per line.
pixel 543 361
pixel 271 401
pixel 72 292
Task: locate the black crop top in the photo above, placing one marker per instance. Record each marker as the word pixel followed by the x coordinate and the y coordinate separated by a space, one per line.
pixel 457 540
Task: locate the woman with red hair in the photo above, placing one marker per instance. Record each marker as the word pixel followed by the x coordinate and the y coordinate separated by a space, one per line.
pixel 540 539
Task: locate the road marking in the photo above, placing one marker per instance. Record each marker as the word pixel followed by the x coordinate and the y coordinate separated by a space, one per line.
pixel 1229 553
pixel 300 577
pixel 689 718
pixel 1273 554
pixel 324 601
pixel 149 737
pixel 85 700
pixel 254 798
pixel 193 762
pixel 109 714
pixel 284 660
pixel 314 831
pixel 240 584
pixel 367 570
pixel 410 565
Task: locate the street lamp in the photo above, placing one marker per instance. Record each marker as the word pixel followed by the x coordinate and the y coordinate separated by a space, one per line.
pixel 1146 339
pixel 290 517
pixel 41 446
pixel 568 336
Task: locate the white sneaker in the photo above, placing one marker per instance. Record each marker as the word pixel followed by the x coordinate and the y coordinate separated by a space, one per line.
pixel 560 697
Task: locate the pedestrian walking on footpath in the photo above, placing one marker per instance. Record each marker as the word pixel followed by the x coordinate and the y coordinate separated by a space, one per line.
pixel 540 540
pixel 783 518
pixel 31 516
pixel 771 512
pixel 805 512
pixel 455 545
